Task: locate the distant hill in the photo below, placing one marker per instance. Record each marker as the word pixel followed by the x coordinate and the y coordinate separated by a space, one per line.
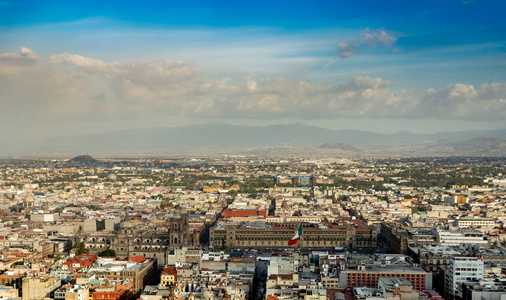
pixel 477 146
pixel 339 146
pixel 484 144
pixel 83 160
pixel 223 138
pixel 473 147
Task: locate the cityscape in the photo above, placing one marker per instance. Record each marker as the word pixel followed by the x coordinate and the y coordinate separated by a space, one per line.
pixel 266 150
pixel 249 227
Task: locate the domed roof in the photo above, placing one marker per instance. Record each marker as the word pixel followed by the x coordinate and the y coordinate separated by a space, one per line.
pixel 126 224
pixel 179 212
pixel 112 176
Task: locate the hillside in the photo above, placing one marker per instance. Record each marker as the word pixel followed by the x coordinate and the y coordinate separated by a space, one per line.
pixel 217 138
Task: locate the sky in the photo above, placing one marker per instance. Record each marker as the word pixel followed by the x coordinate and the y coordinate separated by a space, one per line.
pixel 85 67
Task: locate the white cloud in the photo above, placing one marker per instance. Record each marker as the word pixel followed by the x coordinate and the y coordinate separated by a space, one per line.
pixel 371 82
pixel 464 101
pixel 27 52
pixel 69 88
pixel 346 49
pixel 378 36
pixel 368 38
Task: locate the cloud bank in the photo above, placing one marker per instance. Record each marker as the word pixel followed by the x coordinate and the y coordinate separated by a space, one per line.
pixel 73 87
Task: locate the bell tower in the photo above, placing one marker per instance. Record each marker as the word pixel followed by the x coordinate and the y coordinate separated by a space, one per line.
pixel 178 232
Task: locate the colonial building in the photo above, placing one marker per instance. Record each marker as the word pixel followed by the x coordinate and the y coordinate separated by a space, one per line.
pixel 346 233
pixel 128 241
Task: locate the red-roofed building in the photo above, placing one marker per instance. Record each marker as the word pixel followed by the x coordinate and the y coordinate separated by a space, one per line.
pixel 137 259
pixel 282 280
pixel 80 261
pixel 114 295
pixel 233 212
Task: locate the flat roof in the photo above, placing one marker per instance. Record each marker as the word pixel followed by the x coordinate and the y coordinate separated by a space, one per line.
pixel 388 269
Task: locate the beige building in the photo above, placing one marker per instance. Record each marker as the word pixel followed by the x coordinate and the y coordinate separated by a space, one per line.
pixel 330 282
pixel 397 289
pixel 8 292
pixel 282 280
pixel 79 293
pixel 39 287
pixel 139 274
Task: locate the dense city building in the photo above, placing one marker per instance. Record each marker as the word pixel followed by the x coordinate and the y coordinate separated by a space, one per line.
pixel 221 228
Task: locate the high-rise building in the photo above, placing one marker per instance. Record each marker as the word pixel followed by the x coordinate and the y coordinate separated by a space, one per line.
pixel 462 269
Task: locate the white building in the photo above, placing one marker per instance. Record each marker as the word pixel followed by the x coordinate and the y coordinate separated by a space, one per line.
pixel 281 265
pixel 459 237
pixel 462 269
pixel 475 222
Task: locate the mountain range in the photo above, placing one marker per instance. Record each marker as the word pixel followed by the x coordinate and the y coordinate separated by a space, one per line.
pixel 217 138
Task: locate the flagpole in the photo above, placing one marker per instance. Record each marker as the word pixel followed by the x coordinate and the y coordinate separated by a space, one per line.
pixel 301 231
pixel 301 244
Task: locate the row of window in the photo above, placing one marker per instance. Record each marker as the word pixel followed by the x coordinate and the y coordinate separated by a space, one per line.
pixel 384 275
pixel 244 243
pixel 275 238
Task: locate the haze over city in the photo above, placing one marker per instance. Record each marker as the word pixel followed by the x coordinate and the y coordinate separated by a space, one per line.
pixel 70 68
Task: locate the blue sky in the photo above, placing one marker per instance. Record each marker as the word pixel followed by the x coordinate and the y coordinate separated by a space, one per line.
pixel 88 66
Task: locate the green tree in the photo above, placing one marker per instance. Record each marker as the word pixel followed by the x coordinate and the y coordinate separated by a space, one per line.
pixel 81 249
pixel 18 263
pixel 232 193
pixel 107 253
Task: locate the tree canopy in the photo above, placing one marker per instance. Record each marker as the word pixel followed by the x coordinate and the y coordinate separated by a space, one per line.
pixel 107 253
pixel 81 249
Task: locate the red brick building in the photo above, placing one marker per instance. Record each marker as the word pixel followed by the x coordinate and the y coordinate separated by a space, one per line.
pixel 80 261
pixel 368 276
pixel 113 295
pixel 233 212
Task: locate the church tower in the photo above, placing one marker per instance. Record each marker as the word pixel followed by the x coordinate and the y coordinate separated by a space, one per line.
pixel 127 227
pixel 124 238
pixel 179 229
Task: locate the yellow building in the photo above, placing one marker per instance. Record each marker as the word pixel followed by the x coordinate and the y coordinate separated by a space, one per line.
pixel 168 278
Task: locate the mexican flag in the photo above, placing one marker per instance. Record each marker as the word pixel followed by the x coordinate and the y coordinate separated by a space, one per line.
pixel 296 237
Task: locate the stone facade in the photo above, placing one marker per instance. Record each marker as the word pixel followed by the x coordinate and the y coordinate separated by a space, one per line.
pixel 128 241
pixel 352 233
